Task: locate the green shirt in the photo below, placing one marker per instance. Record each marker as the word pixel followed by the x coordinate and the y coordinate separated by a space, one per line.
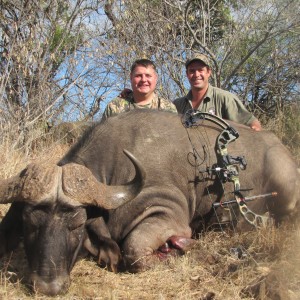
pixel 120 105
pixel 220 103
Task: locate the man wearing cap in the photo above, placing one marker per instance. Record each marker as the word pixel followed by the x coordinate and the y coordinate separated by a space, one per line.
pixel 143 77
pixel 206 98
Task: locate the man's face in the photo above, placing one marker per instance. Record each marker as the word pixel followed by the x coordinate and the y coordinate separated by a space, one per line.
pixel 198 74
pixel 143 80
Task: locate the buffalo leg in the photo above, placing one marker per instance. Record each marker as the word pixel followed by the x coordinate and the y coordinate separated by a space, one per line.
pixel 100 244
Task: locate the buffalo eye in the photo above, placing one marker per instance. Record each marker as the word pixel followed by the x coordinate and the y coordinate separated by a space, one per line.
pixel 34 216
pixel 76 219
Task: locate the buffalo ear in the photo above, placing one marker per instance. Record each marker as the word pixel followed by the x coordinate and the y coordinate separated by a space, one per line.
pixel 11 228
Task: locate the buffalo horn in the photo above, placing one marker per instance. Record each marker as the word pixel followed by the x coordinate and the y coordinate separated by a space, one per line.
pixel 79 184
pixel 72 183
pixel 36 183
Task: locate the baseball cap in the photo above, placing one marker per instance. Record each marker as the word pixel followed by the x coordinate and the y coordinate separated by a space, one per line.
pixel 200 57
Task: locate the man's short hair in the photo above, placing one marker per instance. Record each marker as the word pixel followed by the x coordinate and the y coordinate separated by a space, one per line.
pixel 143 62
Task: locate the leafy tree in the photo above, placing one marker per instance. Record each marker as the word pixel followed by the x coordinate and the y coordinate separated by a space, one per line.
pixel 45 49
pixel 61 60
pixel 158 30
pixel 245 40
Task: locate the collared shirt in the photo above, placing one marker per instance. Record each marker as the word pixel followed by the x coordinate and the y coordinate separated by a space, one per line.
pixel 120 105
pixel 218 102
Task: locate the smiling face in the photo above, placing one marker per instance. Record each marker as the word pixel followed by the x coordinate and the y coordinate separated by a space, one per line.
pixel 198 75
pixel 143 80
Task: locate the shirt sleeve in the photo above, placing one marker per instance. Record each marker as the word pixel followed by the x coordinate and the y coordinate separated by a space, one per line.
pixel 237 112
pixel 181 105
pixel 167 105
pixel 111 109
pixel 106 113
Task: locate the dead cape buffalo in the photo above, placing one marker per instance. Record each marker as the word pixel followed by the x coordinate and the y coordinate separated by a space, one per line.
pixel 147 206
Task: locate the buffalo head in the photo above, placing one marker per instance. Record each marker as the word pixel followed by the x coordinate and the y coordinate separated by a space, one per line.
pixel 59 212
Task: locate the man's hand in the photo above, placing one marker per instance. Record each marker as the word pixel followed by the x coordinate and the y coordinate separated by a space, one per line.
pixel 255 125
pixel 125 93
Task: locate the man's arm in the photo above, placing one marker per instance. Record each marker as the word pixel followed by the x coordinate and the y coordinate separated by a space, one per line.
pixel 110 110
pixel 105 114
pixel 115 107
pixel 238 112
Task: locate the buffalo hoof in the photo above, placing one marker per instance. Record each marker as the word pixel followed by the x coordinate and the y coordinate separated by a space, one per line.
pixel 109 255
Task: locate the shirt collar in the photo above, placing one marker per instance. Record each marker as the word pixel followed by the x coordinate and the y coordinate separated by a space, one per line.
pixel 209 92
pixel 153 101
pixel 207 96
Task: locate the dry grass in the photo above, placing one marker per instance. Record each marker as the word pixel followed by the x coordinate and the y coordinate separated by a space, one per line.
pixel 211 270
pixel 286 125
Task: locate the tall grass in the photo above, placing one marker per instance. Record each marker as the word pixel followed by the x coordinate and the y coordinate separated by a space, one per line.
pixel 286 125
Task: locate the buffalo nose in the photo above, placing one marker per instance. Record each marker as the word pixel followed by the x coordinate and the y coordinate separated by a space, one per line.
pixel 56 286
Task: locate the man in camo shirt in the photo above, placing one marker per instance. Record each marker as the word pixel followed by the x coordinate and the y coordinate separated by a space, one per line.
pixel 143 77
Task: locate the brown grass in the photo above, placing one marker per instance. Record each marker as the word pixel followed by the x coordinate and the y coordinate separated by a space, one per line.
pixel 211 270
pixel 286 125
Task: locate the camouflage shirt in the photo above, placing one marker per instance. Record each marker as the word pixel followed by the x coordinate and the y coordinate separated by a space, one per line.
pixel 120 105
pixel 220 103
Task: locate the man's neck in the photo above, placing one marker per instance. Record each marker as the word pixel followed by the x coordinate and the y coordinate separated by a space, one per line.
pixel 197 97
pixel 143 99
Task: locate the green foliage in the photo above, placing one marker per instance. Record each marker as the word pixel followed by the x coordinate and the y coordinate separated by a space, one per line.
pixel 214 18
pixel 58 40
pixel 37 40
pixel 46 47
pixel 63 43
